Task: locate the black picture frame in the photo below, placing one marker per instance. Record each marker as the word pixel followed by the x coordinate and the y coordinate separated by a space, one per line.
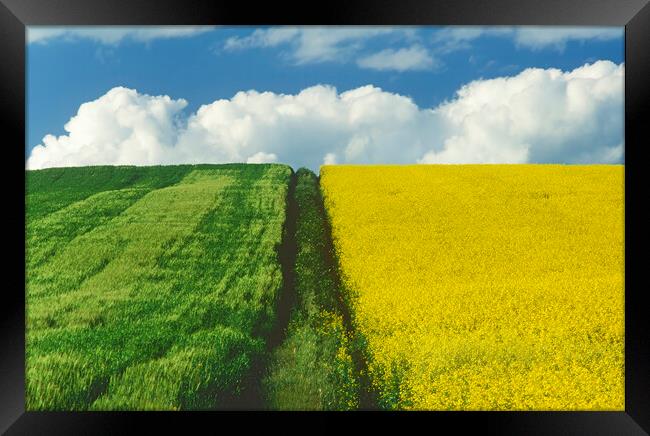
pixel 16 14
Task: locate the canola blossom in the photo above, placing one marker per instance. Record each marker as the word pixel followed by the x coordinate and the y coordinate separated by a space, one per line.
pixel 485 287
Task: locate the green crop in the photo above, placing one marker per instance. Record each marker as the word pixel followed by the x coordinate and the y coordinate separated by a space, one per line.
pixel 150 288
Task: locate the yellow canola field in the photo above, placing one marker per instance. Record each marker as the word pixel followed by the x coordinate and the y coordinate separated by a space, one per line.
pixel 485 287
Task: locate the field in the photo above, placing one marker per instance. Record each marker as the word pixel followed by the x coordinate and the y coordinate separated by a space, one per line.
pixel 484 287
pixel 150 288
pixel 437 287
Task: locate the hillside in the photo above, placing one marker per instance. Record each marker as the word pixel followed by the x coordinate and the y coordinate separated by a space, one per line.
pixel 150 288
pixel 484 287
pixel 437 287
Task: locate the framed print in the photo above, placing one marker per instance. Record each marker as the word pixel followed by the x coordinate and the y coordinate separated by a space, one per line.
pixel 408 210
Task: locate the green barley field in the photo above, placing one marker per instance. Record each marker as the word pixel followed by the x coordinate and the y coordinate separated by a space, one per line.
pixel 151 288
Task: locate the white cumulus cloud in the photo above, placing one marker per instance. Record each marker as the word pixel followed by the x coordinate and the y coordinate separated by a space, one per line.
pixel 111 35
pixel 415 57
pixel 454 38
pixel 329 159
pixel 261 157
pixel 119 128
pixel 539 115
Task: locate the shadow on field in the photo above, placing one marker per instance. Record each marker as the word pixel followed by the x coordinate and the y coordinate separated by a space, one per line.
pixel 251 396
pixel 287 256
pixel 367 396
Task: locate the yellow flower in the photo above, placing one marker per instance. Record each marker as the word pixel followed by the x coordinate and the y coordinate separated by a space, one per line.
pixel 493 287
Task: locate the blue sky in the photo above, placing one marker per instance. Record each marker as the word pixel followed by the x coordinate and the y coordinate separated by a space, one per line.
pixel 427 66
